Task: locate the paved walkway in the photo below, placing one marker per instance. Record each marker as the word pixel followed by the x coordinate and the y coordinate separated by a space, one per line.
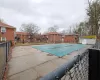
pixel 28 63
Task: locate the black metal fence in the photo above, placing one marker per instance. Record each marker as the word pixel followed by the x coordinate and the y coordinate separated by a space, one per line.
pixel 81 67
pixel 4 52
pixel 97 45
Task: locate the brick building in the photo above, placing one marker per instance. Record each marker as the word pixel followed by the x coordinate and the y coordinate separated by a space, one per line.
pixel 54 37
pixel 7 32
pixel 24 36
pixel 20 36
pixel 71 38
pixel 51 37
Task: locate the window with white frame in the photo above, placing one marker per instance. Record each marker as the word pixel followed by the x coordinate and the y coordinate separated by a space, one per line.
pixel 3 38
pixel 3 29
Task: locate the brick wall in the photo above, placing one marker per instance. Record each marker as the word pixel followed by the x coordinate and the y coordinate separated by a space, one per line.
pixel 9 34
pixel 71 39
pixel 54 38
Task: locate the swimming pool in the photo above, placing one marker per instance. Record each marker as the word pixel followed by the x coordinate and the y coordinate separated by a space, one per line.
pixel 59 49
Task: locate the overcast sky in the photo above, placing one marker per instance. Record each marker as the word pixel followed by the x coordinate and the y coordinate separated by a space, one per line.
pixel 44 13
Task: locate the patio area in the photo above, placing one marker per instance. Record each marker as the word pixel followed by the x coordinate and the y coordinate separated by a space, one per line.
pixel 28 63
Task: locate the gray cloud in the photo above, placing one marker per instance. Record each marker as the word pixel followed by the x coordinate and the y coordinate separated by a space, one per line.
pixel 44 13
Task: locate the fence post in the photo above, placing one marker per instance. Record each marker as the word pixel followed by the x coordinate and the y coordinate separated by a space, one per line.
pixel 94 64
pixel 6 52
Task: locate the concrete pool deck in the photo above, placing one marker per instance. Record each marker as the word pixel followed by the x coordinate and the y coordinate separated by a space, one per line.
pixel 28 63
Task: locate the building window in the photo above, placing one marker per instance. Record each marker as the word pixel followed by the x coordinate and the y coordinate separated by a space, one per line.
pixel 3 38
pixel 3 29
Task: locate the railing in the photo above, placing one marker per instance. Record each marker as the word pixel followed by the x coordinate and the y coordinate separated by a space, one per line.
pixel 75 69
pixel 79 71
pixel 81 67
pixel 4 52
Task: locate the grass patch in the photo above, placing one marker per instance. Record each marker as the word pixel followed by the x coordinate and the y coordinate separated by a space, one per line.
pixel 34 43
pixel 28 44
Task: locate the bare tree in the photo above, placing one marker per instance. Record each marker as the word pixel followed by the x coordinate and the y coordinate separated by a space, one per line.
pixel 67 31
pixel 31 29
pixel 93 12
pixel 1 20
pixel 64 31
pixel 81 28
pixel 53 29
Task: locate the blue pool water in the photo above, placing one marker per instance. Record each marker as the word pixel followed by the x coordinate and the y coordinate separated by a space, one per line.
pixel 59 49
